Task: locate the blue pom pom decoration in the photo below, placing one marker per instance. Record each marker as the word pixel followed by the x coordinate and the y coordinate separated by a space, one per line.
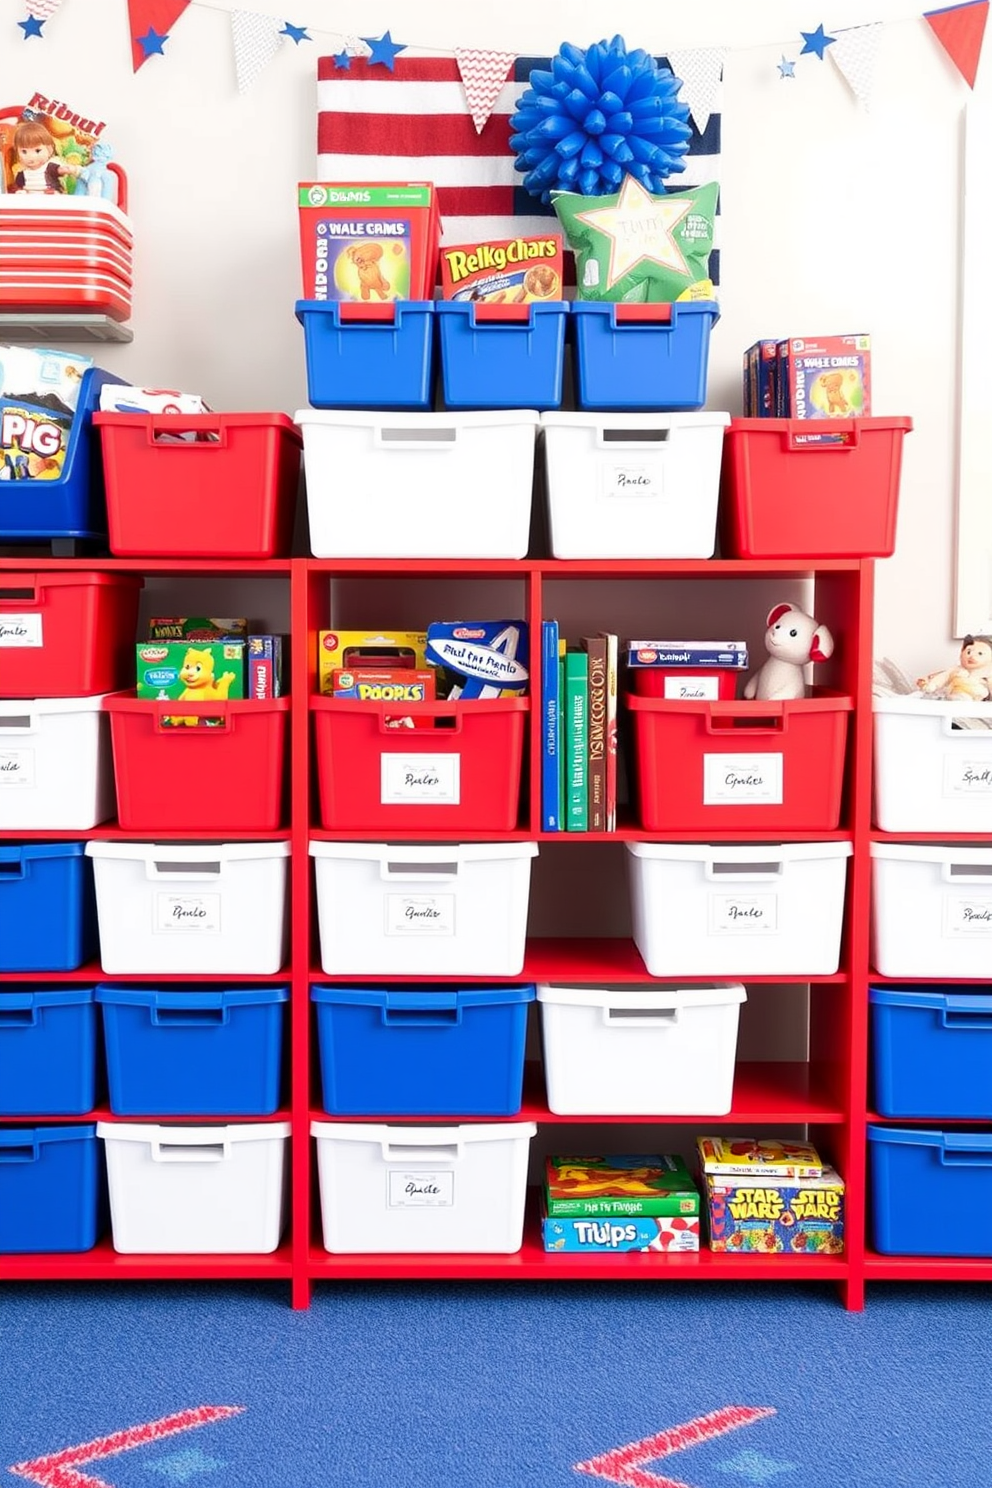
pixel 597 116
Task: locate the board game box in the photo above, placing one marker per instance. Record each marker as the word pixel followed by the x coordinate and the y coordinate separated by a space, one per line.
pixel 619 1186
pixel 776 1216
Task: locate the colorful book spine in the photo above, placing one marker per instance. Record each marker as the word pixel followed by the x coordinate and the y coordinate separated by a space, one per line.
pixel 550 728
pixel 563 735
pixel 595 649
pixel 264 667
pixel 576 757
pixel 612 659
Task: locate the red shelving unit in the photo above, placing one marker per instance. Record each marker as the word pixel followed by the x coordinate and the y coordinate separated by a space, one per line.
pixel 825 1094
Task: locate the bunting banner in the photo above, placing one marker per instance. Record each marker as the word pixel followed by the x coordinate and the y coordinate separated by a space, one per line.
pixel 256 39
pixel 960 29
pixel 483 75
pixel 42 10
pixel 855 53
pixel 150 22
pixel 701 71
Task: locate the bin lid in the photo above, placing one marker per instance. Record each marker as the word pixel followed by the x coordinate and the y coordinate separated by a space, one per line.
pixel 978 1142
pixel 635 422
pixel 189 996
pixel 411 853
pixel 647 997
pixel 187 852
pixel 20 1136
pixel 422 1136
pixel 958 1000
pixel 422 424
pixel 932 852
pixel 14 998
pixel 915 703
pixel 740 852
pixel 20 852
pixel 192 1136
pixel 421 998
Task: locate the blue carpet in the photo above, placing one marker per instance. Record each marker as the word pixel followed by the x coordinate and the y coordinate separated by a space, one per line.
pixel 423 1386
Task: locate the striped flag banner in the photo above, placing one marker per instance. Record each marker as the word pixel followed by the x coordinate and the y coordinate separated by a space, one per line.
pixel 412 124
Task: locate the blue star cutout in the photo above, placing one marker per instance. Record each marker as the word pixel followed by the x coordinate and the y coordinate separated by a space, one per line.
pixel 787 68
pixel 31 27
pixel 342 60
pixel 152 43
pixel 185 1465
pixel 298 33
pixel 815 41
pixel 755 1466
pixel 384 49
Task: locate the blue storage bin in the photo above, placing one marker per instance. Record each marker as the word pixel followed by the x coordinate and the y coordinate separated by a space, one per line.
pixel 932 1052
pixel 428 1052
pixel 931 1191
pixel 198 1052
pixel 47 906
pixel 501 356
pixel 627 357
pixel 75 504
pixel 372 357
pixel 52 1195
pixel 48 1056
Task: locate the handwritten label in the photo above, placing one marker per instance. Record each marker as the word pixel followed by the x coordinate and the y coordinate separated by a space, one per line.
pixel 421 1190
pixel 20 630
pixel 16 767
pixel 187 914
pixel 966 777
pixel 414 778
pixel 420 914
pixel 688 689
pixel 967 916
pixel 631 480
pixel 743 914
pixel 742 779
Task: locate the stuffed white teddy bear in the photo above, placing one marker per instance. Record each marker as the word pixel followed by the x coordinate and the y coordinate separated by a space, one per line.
pixel 792 639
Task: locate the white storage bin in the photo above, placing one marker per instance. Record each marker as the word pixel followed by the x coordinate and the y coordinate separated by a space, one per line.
pixel 640 1051
pixel 193 1190
pixel 450 909
pixel 757 909
pixel 176 907
pixel 931 910
pixel 56 766
pixel 419 485
pixel 930 774
pixel 422 1188
pixel 633 485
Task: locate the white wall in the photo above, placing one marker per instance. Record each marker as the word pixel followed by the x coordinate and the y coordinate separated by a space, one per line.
pixel 834 219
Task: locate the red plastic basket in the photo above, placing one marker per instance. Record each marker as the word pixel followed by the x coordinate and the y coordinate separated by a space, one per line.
pixel 66 634
pixel 797 488
pixel 230 493
pixel 459 768
pixel 223 777
pixel 753 766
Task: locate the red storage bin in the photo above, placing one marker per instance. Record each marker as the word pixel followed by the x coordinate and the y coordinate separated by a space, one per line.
pixel 228 494
pixel 752 766
pixel 458 768
pixel 811 488
pixel 657 682
pixel 223 777
pixel 68 634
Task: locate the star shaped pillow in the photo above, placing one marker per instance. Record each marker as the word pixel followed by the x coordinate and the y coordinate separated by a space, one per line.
pixel 636 247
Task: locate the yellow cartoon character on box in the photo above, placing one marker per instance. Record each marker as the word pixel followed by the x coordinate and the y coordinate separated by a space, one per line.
pixel 200 685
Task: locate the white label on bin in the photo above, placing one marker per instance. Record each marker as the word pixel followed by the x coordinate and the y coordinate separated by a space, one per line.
pixel 187 914
pixel 631 480
pixel 20 630
pixel 421 1190
pixel 742 779
pixel 743 914
pixel 688 689
pixel 420 914
pixel 16 767
pixel 968 777
pixel 967 916
pixel 412 779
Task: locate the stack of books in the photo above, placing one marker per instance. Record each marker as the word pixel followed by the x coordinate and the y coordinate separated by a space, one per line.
pixel 578 732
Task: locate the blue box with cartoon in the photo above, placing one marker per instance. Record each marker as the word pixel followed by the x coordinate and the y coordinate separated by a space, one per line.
pixel 676 1232
pixel 776 1216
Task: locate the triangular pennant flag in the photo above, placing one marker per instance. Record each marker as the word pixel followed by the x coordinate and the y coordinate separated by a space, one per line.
pixel 42 10
pixel 483 75
pixel 256 40
pixel 960 30
pixel 700 69
pixel 855 52
pixel 152 20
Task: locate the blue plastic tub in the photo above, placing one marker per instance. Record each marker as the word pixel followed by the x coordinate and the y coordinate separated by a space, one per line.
pixel 429 1052
pixel 931 1191
pixel 373 357
pixel 642 357
pixel 51 1189
pixel 198 1052
pixel 47 906
pixel 501 356
pixel 48 1058
pixel 932 1052
pixel 75 504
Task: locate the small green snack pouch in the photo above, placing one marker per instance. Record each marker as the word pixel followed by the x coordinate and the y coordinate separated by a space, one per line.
pixel 640 248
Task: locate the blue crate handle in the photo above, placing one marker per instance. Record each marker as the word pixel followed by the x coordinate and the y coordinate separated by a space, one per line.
pixel 18 1010
pixel 11 864
pixel 189 1017
pixel 423 1010
pixel 967 1150
pixel 14 1149
pixel 967 1012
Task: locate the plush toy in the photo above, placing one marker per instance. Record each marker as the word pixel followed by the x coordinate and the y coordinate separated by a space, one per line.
pixel 970 680
pixel 97 177
pixel 792 639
